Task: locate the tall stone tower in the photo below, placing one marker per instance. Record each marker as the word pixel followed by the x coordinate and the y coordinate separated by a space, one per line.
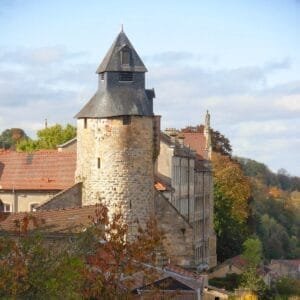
pixel 115 136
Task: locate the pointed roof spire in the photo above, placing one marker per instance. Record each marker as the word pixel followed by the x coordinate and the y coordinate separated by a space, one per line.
pixel 112 61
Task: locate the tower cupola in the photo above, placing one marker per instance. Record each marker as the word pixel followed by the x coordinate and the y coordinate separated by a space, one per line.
pixel 121 90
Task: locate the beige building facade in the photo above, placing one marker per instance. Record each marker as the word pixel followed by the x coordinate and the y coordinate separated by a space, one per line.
pixel 191 193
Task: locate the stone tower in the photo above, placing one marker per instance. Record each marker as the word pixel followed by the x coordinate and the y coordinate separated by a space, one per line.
pixel 115 136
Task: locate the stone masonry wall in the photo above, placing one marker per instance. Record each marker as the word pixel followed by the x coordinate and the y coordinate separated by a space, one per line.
pixel 70 197
pixel 178 233
pixel 115 165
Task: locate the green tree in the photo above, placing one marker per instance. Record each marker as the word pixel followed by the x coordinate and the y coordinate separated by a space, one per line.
pixel 250 278
pixel 231 196
pixel 48 138
pixel 252 251
pixel 288 287
pixel 276 242
pixel 231 232
pixel 10 137
pixel 220 144
pixel 30 268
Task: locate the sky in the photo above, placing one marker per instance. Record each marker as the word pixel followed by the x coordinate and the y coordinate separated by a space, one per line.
pixel 238 59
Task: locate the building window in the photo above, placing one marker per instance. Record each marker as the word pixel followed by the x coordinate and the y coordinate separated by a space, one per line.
pixel 126 120
pixel 33 206
pixel 102 76
pixel 99 163
pixel 126 76
pixel 7 207
pixel 85 123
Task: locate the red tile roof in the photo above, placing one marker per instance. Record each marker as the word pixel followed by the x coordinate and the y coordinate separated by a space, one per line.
pixel 159 186
pixel 40 170
pixel 197 142
pixel 61 220
pixel 238 261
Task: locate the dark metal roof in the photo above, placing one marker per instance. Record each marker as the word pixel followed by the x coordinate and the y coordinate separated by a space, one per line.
pixel 117 101
pixel 112 60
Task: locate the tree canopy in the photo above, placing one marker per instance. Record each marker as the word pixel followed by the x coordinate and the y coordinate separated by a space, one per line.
pixel 231 196
pixel 48 138
pixel 90 265
pixel 10 137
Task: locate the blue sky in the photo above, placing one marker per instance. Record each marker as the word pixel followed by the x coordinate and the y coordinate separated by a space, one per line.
pixel 239 59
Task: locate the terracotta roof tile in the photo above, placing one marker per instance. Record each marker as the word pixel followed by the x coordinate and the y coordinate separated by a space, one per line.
pixel 62 220
pixel 40 170
pixel 197 142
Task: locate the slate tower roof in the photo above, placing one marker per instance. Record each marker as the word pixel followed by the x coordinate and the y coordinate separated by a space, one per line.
pixel 112 60
pixel 121 88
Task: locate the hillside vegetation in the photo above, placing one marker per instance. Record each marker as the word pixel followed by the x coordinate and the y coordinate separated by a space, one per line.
pixel 275 209
pixel 251 200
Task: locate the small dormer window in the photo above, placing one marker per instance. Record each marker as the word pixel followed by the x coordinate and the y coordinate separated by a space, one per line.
pixel 126 76
pixel 125 56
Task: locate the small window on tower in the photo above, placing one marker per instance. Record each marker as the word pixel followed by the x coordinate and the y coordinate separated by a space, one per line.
pixel 99 163
pixel 102 76
pixel 126 76
pixel 126 120
pixel 85 123
pixel 125 57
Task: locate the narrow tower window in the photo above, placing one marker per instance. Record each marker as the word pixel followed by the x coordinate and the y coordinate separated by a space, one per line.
pixel 85 123
pixel 126 120
pixel 102 76
pixel 99 163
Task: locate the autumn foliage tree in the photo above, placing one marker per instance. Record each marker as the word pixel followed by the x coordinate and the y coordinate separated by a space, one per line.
pixel 113 252
pixel 31 269
pixel 231 195
pixel 97 263
pixel 10 137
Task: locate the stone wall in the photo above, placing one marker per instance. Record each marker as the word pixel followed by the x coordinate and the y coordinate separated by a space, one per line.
pixel 178 242
pixel 70 197
pixel 115 164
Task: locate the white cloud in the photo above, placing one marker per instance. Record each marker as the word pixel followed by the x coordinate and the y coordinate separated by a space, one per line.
pixel 289 103
pixel 261 121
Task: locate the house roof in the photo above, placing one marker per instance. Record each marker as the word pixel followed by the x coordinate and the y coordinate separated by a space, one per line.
pixel 197 141
pixel 141 280
pixel 68 143
pixel 237 261
pixel 294 263
pixel 112 60
pixel 61 220
pixel 179 149
pixel 44 170
pixel 40 170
